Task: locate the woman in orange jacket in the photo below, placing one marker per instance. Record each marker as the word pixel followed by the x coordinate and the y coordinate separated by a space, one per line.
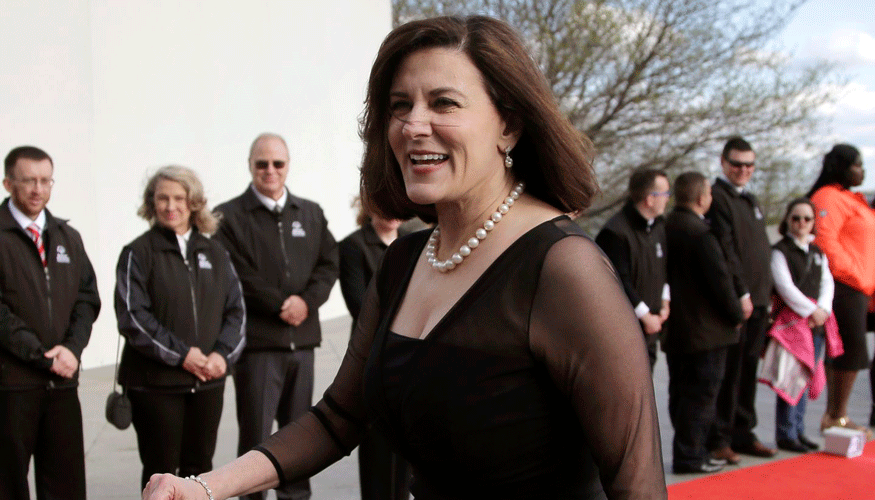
pixel 846 234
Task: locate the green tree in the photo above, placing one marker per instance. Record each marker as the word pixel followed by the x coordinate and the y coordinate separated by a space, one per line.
pixel 663 83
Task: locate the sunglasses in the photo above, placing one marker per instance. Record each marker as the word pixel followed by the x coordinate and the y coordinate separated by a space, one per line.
pixel 263 164
pixel 798 218
pixel 739 164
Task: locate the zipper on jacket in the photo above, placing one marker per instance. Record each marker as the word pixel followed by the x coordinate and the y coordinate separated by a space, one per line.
pixel 279 225
pixel 49 294
pixel 191 287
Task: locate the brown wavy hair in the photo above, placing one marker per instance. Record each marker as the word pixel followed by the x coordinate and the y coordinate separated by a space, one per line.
pixel 205 221
pixel 551 157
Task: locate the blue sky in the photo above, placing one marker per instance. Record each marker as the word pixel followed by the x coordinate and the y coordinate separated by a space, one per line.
pixel 843 32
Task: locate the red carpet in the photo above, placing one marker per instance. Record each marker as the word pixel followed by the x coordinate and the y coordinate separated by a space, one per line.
pixel 813 476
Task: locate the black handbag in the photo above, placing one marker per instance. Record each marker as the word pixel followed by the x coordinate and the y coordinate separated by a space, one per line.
pixel 118 406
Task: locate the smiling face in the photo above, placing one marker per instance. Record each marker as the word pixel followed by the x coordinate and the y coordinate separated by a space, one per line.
pixel 269 166
pixel 738 166
pixel 800 221
pixel 445 132
pixel 171 206
pixel 30 186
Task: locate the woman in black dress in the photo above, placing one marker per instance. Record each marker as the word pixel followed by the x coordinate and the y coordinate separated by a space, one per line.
pixel 497 352
pixel 383 474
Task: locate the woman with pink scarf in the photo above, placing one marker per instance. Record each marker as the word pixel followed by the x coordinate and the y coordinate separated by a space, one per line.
pixel 805 287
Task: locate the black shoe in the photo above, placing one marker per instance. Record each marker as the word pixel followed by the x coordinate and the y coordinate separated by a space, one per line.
pixel 793 445
pixel 701 468
pixel 756 449
pixel 811 445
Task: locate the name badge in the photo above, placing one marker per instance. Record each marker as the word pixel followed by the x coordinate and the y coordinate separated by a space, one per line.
pixel 298 230
pixel 203 262
pixel 62 257
pixel 817 259
pixel 659 253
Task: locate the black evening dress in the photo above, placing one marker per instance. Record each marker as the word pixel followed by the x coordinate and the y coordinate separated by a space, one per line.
pixel 535 385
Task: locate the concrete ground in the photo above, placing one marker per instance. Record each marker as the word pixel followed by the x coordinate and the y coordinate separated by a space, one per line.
pixel 113 466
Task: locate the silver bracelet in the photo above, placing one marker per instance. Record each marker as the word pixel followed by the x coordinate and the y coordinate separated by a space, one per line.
pixel 203 483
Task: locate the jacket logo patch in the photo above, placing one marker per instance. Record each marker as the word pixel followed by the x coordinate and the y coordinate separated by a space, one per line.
pixel 659 253
pixel 757 213
pixel 62 257
pixel 203 262
pixel 298 230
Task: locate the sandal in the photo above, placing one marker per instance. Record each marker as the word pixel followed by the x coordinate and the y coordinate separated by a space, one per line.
pixel 826 422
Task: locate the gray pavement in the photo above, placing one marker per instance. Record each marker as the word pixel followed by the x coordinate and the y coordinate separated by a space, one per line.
pixel 113 466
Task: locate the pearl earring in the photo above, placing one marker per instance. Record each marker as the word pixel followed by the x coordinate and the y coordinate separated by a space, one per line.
pixel 508 161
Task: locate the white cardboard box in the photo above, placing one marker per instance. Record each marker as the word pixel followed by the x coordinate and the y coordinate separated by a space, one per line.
pixel 844 442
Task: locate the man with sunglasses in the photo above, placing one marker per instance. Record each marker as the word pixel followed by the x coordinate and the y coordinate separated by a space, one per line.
pixel 48 303
pixel 738 222
pixel 634 240
pixel 287 261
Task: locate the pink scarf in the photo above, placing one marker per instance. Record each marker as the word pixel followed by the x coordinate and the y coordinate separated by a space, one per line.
pixel 794 335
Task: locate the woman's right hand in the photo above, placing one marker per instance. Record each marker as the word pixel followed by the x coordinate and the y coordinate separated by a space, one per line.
pixel 195 363
pixel 170 487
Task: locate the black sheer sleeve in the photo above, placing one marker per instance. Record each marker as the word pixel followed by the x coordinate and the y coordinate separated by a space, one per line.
pixel 335 425
pixel 585 332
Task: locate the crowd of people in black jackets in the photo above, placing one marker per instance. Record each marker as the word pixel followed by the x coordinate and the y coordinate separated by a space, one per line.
pixel 732 310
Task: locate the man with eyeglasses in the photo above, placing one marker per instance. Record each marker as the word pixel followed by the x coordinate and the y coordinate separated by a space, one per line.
pixel 287 261
pixel 48 303
pixel 738 222
pixel 634 240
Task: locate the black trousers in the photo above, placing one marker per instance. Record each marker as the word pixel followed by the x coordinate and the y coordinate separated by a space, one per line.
pixel 693 384
pixel 176 431
pixel 651 342
pixel 273 385
pixel 736 403
pixel 45 423
pixel 383 474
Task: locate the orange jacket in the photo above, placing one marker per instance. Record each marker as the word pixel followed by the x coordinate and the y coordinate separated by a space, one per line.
pixel 846 233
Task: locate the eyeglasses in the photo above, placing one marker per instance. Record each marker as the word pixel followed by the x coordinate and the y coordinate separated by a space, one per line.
pixel 661 193
pixel 739 164
pixel 32 182
pixel 798 218
pixel 263 164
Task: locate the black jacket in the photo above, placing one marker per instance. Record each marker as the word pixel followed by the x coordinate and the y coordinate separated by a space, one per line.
pixel 637 252
pixel 705 310
pixel 739 224
pixel 42 307
pixel 277 256
pixel 165 304
pixel 806 268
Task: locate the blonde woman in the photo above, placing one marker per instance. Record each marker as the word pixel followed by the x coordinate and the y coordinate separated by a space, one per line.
pixel 180 307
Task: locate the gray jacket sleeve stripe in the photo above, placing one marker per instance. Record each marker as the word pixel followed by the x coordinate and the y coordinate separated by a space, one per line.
pixel 141 328
pixel 235 311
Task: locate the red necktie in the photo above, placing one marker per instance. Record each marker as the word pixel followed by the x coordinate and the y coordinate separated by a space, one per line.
pixel 38 241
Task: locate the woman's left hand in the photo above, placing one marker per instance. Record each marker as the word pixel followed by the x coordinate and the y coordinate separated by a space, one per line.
pixel 216 365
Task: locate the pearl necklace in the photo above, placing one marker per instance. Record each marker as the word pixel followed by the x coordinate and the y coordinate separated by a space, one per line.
pixel 479 235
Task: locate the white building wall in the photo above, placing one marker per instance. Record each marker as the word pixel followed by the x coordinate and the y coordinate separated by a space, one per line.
pixel 114 89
